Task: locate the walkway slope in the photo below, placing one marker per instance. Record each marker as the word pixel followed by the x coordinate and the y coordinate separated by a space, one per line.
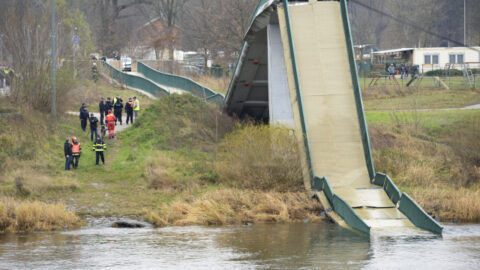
pixel 329 108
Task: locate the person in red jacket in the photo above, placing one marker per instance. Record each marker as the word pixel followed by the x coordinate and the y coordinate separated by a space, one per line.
pixel 110 118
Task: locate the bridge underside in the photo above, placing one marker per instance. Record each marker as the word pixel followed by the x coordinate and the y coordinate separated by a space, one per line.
pixel 250 98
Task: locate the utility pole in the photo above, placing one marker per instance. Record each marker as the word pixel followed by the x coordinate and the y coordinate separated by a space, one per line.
pixel 54 110
pixel 1 47
pixel 465 23
pixel 74 48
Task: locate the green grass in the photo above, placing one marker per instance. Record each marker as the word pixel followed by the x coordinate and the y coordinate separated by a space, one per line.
pixel 388 96
pixel 431 99
pixel 434 123
pixel 178 129
pixel 86 91
pixel 454 83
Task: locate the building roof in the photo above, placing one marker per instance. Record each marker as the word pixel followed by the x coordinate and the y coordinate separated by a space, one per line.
pixel 394 51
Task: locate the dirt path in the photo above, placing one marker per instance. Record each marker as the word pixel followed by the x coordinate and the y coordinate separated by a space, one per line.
pixel 470 107
pixel 118 127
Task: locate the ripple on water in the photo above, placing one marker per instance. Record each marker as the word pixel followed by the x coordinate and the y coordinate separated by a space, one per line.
pixel 280 246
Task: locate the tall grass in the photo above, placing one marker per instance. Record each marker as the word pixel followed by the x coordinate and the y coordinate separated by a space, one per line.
pixel 260 157
pixel 234 206
pixel 442 177
pixel 16 216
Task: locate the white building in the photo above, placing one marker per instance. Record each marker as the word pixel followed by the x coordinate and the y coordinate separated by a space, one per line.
pixel 431 58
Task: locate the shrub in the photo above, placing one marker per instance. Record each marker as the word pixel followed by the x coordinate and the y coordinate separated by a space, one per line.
pixel 260 157
pixel 441 72
pixel 233 206
pixel 28 216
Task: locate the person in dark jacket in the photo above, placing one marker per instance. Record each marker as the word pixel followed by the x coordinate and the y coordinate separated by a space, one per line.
pixel 67 149
pixel 108 107
pixel 117 110
pixel 83 116
pixel 129 110
pixel 98 147
pixel 101 109
pixel 93 126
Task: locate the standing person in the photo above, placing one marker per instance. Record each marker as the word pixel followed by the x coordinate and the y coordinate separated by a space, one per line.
pixel 101 108
pixel 76 152
pixel 117 110
pixel 391 71
pixel 136 107
pixel 83 116
pixel 108 106
pixel 129 110
pixel 93 126
pixel 67 149
pixel 110 118
pixel 98 147
pixel 117 96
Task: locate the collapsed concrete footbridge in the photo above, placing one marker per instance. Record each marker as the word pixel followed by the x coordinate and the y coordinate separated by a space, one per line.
pixel 297 68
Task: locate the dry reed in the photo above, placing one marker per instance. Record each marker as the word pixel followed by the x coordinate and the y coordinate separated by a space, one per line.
pixel 234 206
pixel 26 216
pixel 260 157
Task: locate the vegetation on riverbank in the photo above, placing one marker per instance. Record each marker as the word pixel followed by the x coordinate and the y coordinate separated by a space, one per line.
pixel 433 156
pixel 172 155
pixel 27 216
pixel 183 163
pixel 89 92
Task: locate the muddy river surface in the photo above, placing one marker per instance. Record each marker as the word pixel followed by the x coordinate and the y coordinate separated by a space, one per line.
pixel 283 246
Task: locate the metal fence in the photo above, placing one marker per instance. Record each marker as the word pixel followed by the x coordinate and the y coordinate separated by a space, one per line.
pixel 134 81
pixel 182 83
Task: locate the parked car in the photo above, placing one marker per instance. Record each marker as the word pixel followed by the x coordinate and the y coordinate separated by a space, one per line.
pixel 192 70
pixel 126 63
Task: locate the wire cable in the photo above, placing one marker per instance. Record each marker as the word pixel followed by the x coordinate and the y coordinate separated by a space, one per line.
pixel 412 24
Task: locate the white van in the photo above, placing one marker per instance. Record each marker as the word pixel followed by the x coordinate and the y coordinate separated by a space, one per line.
pixel 126 63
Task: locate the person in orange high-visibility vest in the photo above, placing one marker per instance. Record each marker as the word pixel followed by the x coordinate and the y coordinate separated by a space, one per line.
pixel 110 118
pixel 76 152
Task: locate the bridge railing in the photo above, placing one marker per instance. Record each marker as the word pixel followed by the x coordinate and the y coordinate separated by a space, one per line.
pixel 388 185
pixel 134 81
pixel 340 206
pixel 182 83
pixel 417 215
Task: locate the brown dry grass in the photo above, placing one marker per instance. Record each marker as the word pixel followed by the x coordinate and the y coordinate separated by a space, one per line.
pixel 219 85
pixel 260 157
pixel 438 176
pixel 449 203
pixel 234 206
pixel 16 216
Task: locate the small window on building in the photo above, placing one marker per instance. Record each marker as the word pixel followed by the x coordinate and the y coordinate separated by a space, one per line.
pixel 459 58
pixel 435 59
pixel 452 59
pixel 428 59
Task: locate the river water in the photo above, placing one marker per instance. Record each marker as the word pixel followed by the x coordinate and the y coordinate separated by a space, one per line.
pixel 281 246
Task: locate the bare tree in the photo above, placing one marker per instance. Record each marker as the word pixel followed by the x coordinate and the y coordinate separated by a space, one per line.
pixel 26 39
pixel 216 25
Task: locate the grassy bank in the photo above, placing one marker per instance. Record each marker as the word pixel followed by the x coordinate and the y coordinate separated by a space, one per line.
pixel 389 96
pixel 433 156
pixel 183 162
pixel 171 156
pixel 89 92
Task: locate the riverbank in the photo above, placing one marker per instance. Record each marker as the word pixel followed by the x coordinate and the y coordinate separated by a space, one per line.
pixel 165 162
pixel 433 156
pixel 184 163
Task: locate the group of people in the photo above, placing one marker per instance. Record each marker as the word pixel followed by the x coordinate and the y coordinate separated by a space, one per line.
pixel 107 118
pixel 73 151
pixel 110 113
pixel 403 69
